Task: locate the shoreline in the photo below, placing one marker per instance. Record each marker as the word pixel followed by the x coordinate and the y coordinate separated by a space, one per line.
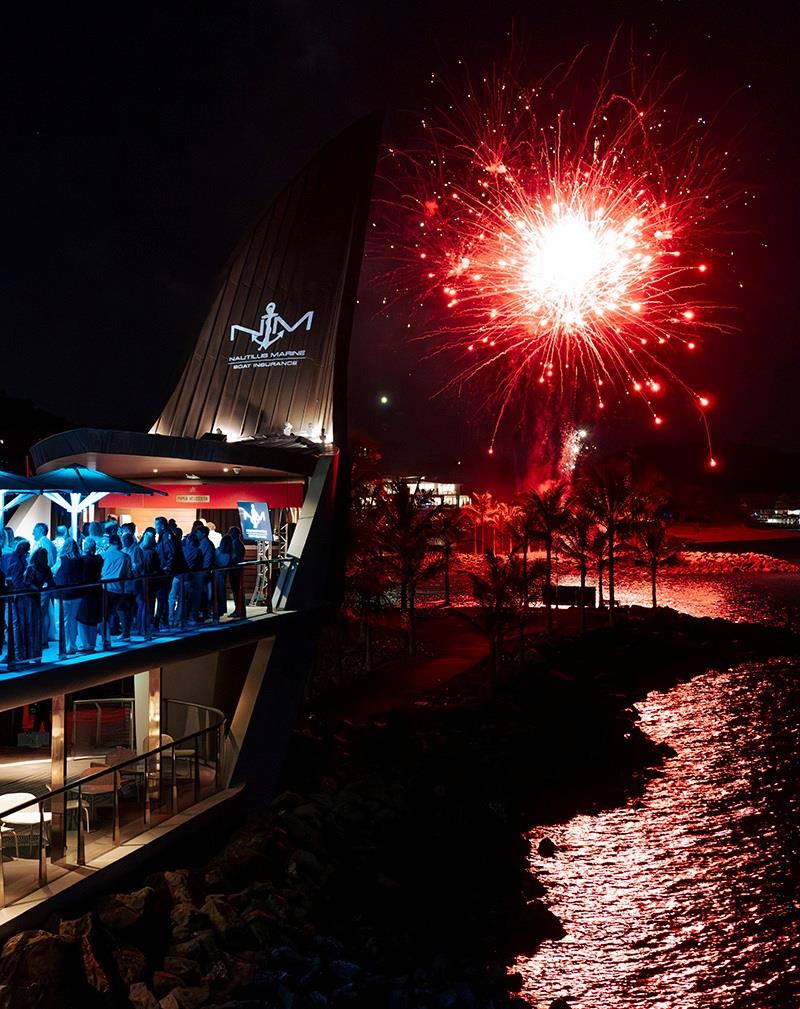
pixel 393 869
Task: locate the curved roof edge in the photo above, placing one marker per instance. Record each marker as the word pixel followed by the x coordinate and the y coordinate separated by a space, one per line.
pixel 293 456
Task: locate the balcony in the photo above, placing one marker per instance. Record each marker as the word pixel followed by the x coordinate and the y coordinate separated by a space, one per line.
pixel 44 629
pixel 110 807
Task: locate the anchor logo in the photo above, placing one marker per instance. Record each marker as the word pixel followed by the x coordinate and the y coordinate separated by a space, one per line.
pixel 272 327
pixel 256 517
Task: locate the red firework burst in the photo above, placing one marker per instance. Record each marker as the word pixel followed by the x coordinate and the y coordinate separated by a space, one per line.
pixel 562 252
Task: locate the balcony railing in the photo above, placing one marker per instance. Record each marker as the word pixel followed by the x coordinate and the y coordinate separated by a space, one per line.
pixel 110 804
pixel 161 604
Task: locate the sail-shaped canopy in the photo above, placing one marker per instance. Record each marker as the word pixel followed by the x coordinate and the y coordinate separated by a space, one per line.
pixel 265 362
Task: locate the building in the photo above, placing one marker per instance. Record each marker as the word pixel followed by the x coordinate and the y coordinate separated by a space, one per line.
pixel 149 736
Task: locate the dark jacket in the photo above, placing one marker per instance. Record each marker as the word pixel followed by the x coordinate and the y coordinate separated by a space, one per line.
pixel 90 610
pixel 70 572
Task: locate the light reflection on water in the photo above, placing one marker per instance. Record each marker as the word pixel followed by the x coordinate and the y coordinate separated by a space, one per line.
pixel 766 598
pixel 688 898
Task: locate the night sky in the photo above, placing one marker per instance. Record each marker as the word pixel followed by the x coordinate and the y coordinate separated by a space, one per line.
pixel 140 141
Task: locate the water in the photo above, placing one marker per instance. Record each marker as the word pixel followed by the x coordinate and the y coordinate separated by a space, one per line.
pixel 688 897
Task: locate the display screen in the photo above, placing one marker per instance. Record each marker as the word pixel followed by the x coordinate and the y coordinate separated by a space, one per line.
pixel 254 516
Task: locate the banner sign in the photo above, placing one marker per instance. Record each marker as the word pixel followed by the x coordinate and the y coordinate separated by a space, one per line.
pixel 255 520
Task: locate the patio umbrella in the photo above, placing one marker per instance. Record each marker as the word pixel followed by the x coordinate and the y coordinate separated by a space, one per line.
pixel 21 487
pixel 75 488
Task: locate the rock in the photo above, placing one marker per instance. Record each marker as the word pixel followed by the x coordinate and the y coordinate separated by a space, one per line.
pixel 76 927
pixel 187 920
pixel 177 883
pixel 186 998
pixel 186 969
pixel 123 911
pixel 130 964
pixel 559 1003
pixel 546 848
pixel 164 981
pixel 202 947
pixel 233 932
pixel 93 971
pixel 542 922
pixel 140 997
pixel 36 957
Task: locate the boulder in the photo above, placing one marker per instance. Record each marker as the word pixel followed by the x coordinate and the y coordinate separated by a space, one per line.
pixel 546 848
pixel 177 883
pixel 123 911
pixel 130 963
pixel 164 981
pixel 186 998
pixel 187 920
pixel 140 997
pixel 184 967
pixel 232 930
pixel 36 957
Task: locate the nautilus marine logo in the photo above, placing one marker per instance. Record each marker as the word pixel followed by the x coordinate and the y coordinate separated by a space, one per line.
pixel 272 328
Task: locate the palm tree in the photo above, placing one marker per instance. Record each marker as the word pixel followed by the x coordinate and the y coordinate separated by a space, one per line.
pixel 497 592
pixel 575 540
pixel 652 546
pixel 407 530
pixel 503 517
pixel 597 550
pixel 547 512
pixel 448 530
pixel 480 510
pixel 607 492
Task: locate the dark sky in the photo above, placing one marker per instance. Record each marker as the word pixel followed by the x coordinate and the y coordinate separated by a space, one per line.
pixel 140 140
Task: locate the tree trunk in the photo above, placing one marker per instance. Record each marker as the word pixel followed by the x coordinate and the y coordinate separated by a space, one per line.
pixel 475 536
pixel 600 601
pixel 548 612
pixel 581 602
pixel 525 574
pixel 368 661
pixel 653 570
pixel 412 622
pixel 611 600
pixel 446 576
pixel 403 596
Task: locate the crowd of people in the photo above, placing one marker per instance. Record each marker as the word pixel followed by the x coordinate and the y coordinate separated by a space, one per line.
pixel 158 581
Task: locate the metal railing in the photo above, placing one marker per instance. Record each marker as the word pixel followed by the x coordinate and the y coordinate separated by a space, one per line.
pixel 140 790
pixel 147 606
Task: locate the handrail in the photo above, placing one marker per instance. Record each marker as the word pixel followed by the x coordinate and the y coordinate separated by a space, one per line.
pixel 148 593
pixel 132 579
pixel 103 772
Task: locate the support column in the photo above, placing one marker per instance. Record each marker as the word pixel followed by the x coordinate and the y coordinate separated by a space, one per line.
pixel 147 705
pixel 58 777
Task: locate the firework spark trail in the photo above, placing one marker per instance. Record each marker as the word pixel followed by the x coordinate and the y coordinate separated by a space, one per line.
pixel 561 256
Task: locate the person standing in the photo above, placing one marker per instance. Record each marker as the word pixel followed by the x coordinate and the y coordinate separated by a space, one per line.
pixel 222 560
pixel 90 604
pixel 42 542
pixel 206 552
pixel 38 578
pixel 117 571
pixel 68 573
pixel 237 557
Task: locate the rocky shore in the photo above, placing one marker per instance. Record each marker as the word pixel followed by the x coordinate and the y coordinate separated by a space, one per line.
pixel 393 870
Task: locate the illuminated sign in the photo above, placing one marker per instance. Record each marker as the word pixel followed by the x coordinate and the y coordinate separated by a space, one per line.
pixel 254 516
pixel 272 328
